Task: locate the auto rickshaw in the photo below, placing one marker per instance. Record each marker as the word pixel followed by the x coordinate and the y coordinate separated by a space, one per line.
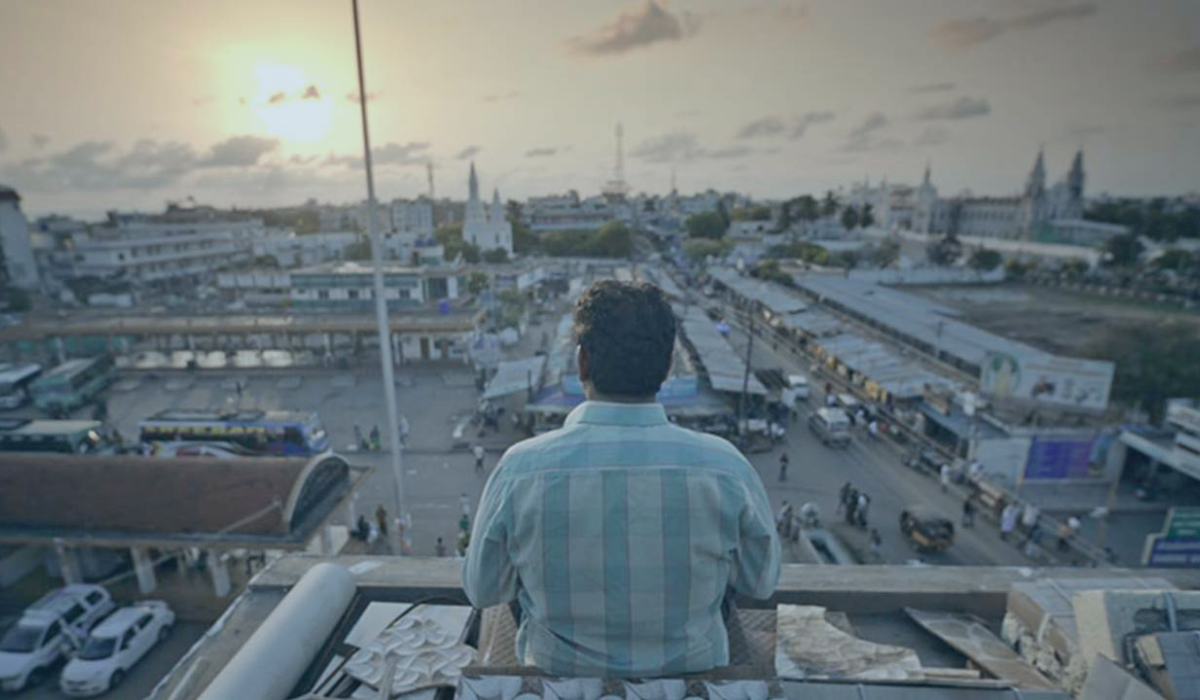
pixel 928 531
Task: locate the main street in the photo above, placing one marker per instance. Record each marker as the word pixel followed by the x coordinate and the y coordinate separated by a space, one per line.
pixel 816 474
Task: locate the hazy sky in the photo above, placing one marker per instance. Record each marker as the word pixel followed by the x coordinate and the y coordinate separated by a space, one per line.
pixel 129 104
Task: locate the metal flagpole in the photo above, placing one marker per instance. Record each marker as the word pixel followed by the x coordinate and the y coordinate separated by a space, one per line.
pixel 381 317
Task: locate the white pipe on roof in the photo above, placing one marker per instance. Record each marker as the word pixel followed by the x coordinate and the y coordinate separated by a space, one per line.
pixel 271 662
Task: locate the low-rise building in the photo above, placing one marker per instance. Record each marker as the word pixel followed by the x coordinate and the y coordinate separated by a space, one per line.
pixel 20 270
pixel 567 212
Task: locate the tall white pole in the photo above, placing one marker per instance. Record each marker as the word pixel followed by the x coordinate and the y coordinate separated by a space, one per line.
pixel 381 317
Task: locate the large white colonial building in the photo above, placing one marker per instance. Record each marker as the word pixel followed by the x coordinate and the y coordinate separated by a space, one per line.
pixel 16 251
pixel 1031 215
pixel 486 230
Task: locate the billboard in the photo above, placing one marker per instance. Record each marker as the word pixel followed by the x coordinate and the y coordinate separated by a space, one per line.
pixel 1060 457
pixel 1062 381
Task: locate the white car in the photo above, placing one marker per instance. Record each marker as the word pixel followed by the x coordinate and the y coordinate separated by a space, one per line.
pixel 798 383
pixel 48 629
pixel 115 646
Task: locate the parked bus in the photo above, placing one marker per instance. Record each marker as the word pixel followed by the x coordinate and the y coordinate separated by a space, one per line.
pixel 257 432
pixel 14 383
pixel 71 384
pixel 67 436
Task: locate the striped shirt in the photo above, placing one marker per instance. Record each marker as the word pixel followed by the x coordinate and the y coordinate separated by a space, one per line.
pixel 619 535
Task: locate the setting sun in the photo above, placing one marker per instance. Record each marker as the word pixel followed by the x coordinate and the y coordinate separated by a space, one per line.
pixel 289 106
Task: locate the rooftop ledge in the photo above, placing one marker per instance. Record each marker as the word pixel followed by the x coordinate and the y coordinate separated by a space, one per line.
pixel 862 590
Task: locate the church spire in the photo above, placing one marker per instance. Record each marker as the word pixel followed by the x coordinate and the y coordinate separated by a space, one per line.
pixel 1075 177
pixel 473 185
pixel 497 207
pixel 1036 185
pixel 926 181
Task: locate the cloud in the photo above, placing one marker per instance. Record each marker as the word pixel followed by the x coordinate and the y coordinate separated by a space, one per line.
pixel 542 152
pixel 873 122
pixel 765 127
pixel 501 97
pixel 932 136
pixel 311 93
pixel 468 152
pixel 1179 103
pixel 962 108
pixel 668 148
pixel 637 28
pixel 1185 61
pixel 932 87
pixel 301 160
pixel 239 152
pixel 801 123
pixel 353 97
pixel 774 126
pixel 398 154
pixel 39 141
pixel 969 31
pixel 737 151
pixel 99 166
pixel 277 98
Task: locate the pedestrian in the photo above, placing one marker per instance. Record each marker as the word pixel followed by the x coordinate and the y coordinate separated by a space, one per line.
pixel 1029 521
pixel 360 440
pixel 783 465
pixel 781 520
pixel 464 523
pixel 478 458
pixel 864 503
pixel 829 400
pixel 465 502
pixel 1008 520
pixel 464 541
pixel 975 470
pixel 851 506
pixel 363 528
pixel 843 494
pixel 873 429
pixel 876 546
pixel 968 513
pixel 376 443
pixel 440 547
pixel 403 429
pixel 944 477
pixel 381 517
pixel 1067 532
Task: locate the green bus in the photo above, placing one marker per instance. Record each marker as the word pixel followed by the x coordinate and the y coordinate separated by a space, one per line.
pixel 73 383
pixel 66 436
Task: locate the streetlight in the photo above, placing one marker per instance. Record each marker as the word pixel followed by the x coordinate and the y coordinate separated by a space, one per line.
pixel 381 318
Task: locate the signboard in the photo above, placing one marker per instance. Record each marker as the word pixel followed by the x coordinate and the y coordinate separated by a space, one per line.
pixel 1183 524
pixel 1164 552
pixel 1059 458
pixel 1062 381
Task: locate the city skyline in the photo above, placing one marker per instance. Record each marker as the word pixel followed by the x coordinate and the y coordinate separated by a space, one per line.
pixel 256 105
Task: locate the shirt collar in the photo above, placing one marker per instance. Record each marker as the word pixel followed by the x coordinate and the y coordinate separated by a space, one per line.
pixel 608 413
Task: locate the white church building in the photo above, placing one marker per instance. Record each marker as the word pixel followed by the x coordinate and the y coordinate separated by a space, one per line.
pixel 486 229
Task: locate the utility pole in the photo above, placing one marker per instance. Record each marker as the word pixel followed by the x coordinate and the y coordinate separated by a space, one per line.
pixel 746 378
pixel 381 315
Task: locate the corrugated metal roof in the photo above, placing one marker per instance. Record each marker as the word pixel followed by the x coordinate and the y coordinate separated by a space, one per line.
pixel 515 376
pixel 770 295
pixel 726 369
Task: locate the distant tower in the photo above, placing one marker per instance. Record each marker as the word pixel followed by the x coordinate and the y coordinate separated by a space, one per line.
pixel 927 197
pixel 497 207
pixel 616 187
pixel 1035 186
pixel 1033 203
pixel 1075 178
pixel 429 174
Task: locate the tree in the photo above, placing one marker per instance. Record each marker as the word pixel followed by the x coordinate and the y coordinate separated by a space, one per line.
pixel 807 208
pixel 357 251
pixel 867 218
pixel 887 253
pixel 945 251
pixel 698 250
pixel 985 260
pixel 847 259
pixel 810 253
pixel 829 204
pixel 1153 367
pixel 477 282
pixel 850 218
pixel 613 240
pixel 769 270
pixel 450 237
pixel 525 241
pixel 495 256
pixel 709 224
pixel 1123 250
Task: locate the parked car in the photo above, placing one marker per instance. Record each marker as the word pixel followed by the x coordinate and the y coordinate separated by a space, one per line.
pixel 115 646
pixel 832 426
pixel 54 625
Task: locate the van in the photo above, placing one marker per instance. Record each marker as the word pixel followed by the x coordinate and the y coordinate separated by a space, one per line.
pixel 831 426
pixel 798 383
pixel 59 621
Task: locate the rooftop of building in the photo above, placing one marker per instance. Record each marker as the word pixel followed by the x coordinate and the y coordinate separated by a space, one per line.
pixel 869 603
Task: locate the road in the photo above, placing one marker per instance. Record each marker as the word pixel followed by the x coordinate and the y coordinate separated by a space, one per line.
pixel 816 474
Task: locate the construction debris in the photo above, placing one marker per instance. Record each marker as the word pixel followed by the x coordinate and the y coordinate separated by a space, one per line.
pixel 971 637
pixel 808 646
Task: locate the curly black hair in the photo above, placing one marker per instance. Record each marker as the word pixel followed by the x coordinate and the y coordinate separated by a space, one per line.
pixel 628 331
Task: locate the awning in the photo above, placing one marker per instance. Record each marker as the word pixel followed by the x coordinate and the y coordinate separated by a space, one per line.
pixel 515 376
